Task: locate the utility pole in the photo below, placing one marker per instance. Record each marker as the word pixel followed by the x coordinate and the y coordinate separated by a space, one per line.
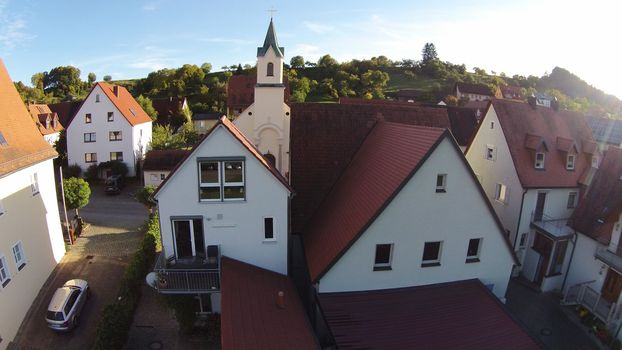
pixel 62 193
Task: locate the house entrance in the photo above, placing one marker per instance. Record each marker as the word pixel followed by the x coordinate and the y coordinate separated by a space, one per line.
pixel 189 241
pixel 543 246
pixel 612 286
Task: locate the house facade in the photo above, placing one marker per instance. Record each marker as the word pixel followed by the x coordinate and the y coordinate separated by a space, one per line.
pixel 530 161
pixel 31 243
pixel 223 199
pixel 158 165
pixel 266 122
pixel 474 92
pixel 109 126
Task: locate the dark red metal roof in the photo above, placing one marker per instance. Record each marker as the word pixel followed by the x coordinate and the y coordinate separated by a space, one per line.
pixel 390 155
pixel 520 120
pixel 600 208
pixel 250 316
pixel 66 111
pixel 464 123
pixel 164 159
pixel 324 138
pixel 457 315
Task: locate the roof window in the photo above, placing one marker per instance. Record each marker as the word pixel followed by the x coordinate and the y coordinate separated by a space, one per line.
pixel 3 140
pixel 133 112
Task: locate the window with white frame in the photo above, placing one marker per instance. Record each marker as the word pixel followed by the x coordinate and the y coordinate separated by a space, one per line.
pixel 18 255
pixel 572 200
pixel 110 116
pixel 501 193
pixel 115 136
pixel 90 157
pixel 221 180
pixel 87 118
pixel 34 183
pixel 491 152
pixel 116 156
pixel 382 260
pixel 89 137
pixel 473 250
pixel 268 228
pixel 5 275
pixel 570 161
pixel 441 183
pixel 431 254
pixel 539 164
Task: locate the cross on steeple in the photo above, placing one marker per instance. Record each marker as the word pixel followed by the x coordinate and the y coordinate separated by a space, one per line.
pixel 272 11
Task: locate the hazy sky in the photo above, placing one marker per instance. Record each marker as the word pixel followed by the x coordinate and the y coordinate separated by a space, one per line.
pixel 129 39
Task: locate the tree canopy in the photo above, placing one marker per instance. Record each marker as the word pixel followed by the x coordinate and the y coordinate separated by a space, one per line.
pixel 77 193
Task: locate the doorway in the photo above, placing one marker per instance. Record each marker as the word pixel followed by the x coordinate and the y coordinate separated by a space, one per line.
pixel 537 216
pixel 612 286
pixel 189 239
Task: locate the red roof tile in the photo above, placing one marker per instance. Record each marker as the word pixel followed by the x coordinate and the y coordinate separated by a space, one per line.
pixel 250 316
pixel 513 92
pixel 125 103
pixel 464 123
pixel 21 144
pixel 600 208
pixel 390 155
pixel 163 159
pixel 324 137
pixel 457 315
pixel 360 101
pixel 66 111
pixel 41 114
pixel 523 125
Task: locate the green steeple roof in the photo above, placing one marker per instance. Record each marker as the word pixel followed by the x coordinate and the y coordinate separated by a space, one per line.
pixel 270 41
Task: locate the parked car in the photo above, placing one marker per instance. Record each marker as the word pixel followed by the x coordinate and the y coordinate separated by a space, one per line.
pixel 66 305
pixel 114 184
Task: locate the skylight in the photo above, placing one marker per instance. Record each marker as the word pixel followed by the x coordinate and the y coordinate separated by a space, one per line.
pixel 3 140
pixel 133 112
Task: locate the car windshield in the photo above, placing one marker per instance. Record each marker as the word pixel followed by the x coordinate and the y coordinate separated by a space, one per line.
pixel 55 316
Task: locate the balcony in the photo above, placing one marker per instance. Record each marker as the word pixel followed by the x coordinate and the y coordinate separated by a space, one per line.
pixel 557 228
pixel 583 294
pixel 187 276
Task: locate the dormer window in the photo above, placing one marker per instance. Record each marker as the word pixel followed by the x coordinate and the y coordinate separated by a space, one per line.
pixel 570 161
pixel 47 123
pixel 539 164
pixel 270 71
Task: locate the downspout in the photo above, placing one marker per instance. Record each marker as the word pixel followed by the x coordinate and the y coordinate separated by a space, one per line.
pixel 574 245
pixel 520 214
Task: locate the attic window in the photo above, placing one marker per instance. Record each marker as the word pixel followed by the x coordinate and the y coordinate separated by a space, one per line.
pixel 97 98
pixel 539 164
pixel 570 161
pixel 133 112
pixel 3 140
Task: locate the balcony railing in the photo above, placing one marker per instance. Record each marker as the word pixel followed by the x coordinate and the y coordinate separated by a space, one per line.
pixel 556 227
pixel 585 295
pixel 184 277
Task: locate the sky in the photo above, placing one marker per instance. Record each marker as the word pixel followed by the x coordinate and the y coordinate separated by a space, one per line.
pixel 128 39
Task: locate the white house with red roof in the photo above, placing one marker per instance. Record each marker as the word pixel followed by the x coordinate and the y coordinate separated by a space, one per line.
pixel 31 240
pixel 531 161
pixel 109 126
pixel 223 199
pixel 407 211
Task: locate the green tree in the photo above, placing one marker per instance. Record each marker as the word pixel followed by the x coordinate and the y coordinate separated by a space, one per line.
pixel 206 67
pixel 161 137
pixel 63 81
pixel 145 197
pixel 77 193
pixel 92 78
pixel 429 53
pixel 107 78
pixel 374 82
pixel 326 61
pixel 297 62
pixel 147 106
pixel 37 80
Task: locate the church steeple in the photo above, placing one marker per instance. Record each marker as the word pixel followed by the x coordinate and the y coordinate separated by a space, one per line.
pixel 271 41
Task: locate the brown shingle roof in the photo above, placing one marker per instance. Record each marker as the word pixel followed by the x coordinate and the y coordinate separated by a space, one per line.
pixel 324 137
pixel 599 209
pixel 390 155
pixel 457 315
pixel 526 127
pixel 125 103
pixel 21 143
pixel 251 318
pixel 41 115
pixel 163 159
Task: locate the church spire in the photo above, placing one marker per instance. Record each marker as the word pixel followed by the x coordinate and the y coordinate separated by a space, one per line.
pixel 271 41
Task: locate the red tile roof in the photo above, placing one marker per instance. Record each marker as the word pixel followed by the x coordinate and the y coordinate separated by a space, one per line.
pixel 166 107
pixel 513 92
pixel 66 111
pixel 41 114
pixel 526 128
pixel 325 136
pixel 464 123
pixel 388 158
pixel 458 315
pixel 21 144
pixel 238 135
pixel 125 103
pixel 360 101
pixel 250 316
pixel 163 159
pixel 599 209
pixel 241 91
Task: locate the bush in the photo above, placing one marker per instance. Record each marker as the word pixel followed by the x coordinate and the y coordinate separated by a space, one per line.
pixel 73 170
pixel 91 173
pixel 116 167
pixel 114 325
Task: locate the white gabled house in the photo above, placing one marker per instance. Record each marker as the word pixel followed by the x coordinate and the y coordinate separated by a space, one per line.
pixel 31 240
pixel 109 126
pixel 531 161
pixel 223 199
pixel 408 211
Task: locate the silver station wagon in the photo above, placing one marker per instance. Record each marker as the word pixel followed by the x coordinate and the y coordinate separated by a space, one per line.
pixel 66 305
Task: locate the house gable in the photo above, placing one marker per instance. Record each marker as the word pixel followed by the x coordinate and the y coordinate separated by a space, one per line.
pixel 412 218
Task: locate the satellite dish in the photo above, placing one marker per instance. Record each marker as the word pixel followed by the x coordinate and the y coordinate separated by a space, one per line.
pixel 152 279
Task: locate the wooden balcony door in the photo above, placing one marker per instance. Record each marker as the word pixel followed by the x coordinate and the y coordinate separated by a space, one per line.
pixel 612 286
pixel 537 216
pixel 189 239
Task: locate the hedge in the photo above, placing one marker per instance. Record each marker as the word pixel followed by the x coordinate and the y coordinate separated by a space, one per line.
pixel 116 319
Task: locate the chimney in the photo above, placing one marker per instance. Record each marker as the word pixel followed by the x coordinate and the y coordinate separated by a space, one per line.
pixel 532 101
pixel 615 237
pixel 115 90
pixel 280 300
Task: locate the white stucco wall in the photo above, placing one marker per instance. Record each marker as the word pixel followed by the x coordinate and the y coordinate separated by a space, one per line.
pixel 34 221
pixel 147 175
pixel 262 68
pixel 237 226
pixel 585 267
pixel 417 215
pixel 131 144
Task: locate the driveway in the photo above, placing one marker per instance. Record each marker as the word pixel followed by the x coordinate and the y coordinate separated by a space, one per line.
pixel 99 256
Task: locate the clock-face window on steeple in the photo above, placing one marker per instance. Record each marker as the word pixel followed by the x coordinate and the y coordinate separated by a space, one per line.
pixel 270 69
